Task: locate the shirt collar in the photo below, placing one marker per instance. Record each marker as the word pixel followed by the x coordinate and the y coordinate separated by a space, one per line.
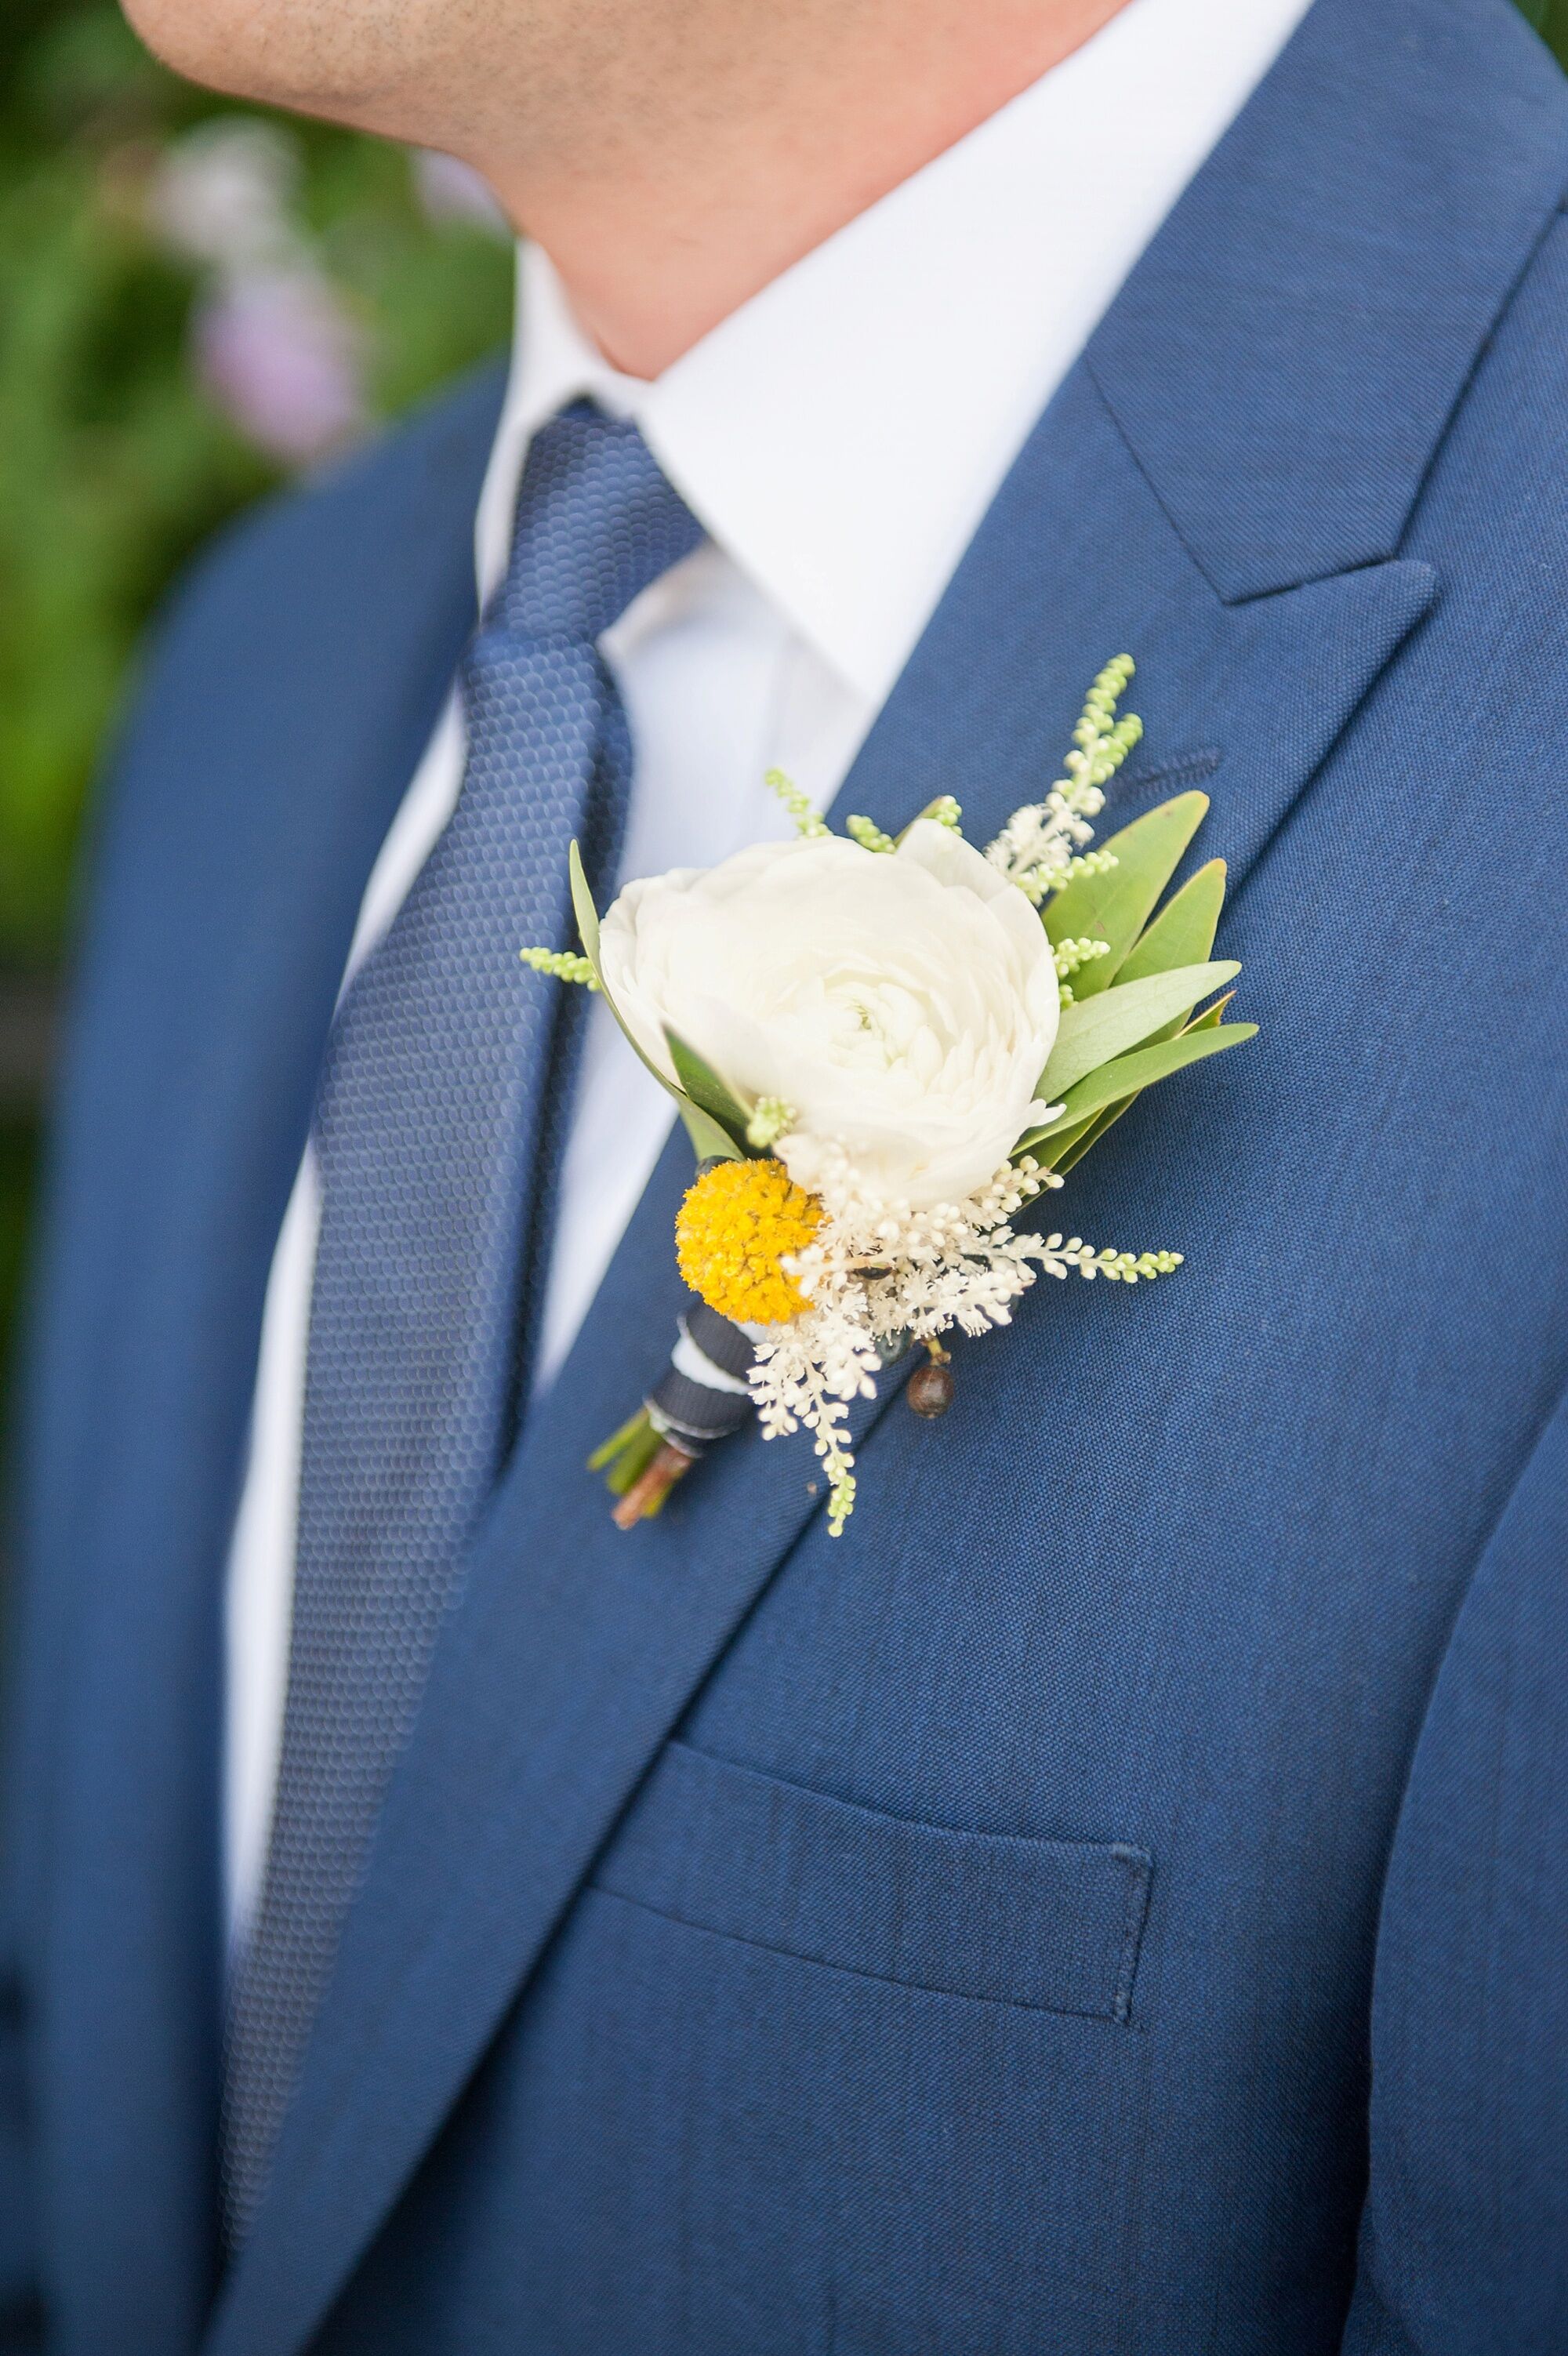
pixel 841 435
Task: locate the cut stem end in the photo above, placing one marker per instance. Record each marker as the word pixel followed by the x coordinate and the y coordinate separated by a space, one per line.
pixel 647 1494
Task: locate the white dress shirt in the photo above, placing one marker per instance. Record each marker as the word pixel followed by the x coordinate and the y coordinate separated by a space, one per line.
pixel 840 438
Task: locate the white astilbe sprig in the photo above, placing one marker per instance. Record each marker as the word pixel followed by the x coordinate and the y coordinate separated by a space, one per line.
pixel 878 1276
pixel 1040 849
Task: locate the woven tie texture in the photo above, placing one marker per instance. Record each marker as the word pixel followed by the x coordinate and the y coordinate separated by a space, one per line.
pixel 439 1122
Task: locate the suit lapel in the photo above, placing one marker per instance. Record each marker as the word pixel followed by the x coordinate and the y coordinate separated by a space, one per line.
pixel 293 720
pixel 1257 587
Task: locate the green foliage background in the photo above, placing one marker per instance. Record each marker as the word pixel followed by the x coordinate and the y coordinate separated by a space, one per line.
pixel 114 463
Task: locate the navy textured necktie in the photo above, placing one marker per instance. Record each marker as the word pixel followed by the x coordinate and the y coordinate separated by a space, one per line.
pixel 440 1116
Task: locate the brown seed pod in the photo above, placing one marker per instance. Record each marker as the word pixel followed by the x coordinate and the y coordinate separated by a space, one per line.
pixel 930 1390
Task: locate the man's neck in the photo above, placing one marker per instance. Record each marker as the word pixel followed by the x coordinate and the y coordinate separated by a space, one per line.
pixel 657 240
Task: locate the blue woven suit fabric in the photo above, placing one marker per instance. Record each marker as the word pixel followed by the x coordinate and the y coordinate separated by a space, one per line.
pixel 437 1131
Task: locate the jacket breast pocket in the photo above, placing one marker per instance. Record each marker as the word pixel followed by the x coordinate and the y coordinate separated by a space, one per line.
pixel 1049 1924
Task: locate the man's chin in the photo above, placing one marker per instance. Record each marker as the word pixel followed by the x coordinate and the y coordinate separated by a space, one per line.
pixel 308 56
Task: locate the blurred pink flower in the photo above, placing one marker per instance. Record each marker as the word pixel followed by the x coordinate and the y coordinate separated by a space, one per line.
pixel 280 356
pixel 452 191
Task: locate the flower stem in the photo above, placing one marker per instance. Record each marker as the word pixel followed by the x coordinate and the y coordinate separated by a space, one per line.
pixel 646 1495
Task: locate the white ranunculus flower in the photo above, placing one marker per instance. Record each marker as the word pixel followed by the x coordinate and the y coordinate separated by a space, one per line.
pixel 902 1005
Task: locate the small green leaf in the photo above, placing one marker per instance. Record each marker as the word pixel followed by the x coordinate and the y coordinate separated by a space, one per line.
pixel 705 1089
pixel 1115 906
pixel 1053 1155
pixel 589 929
pixel 709 1141
pixel 1183 933
pixel 631 1430
pixel 1063 1158
pixel 1128 1074
pixel 1094 1030
pixel 1184 930
pixel 582 908
pixel 1071 1147
pixel 708 1138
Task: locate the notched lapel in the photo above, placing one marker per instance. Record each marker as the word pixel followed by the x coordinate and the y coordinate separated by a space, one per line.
pixel 1285 382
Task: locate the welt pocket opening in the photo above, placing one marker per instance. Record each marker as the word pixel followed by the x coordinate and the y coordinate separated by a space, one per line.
pixel 1052 1925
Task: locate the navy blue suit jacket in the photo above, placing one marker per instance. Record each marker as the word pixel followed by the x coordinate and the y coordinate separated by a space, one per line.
pixel 1115 1900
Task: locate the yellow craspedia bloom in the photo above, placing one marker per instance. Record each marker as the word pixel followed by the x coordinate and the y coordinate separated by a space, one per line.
pixel 735 1225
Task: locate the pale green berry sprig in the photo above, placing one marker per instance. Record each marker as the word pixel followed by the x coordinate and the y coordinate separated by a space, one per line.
pixel 1070 954
pixel 1088 863
pixel 771 1119
pixel 1041 848
pixel 1101 741
pixel 797 803
pixel 565 965
pixel 840 1499
pixel 1126 1268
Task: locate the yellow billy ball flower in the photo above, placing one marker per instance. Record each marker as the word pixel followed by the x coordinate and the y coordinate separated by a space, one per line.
pixel 735 1225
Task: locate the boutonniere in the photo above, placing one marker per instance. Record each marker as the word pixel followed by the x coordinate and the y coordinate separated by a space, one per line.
pixel 884 1050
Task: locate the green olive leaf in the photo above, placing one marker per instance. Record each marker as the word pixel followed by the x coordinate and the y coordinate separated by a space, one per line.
pixel 1094 1031
pixel 1128 1074
pixel 706 1090
pixel 1115 906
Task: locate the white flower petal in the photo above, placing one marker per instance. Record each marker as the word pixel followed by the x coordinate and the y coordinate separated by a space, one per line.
pixel 905 1006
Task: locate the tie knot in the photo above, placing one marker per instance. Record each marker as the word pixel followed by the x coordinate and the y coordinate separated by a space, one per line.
pixel 596 523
